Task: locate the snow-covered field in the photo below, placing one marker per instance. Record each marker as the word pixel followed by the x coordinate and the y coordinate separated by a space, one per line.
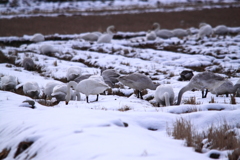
pixel 116 127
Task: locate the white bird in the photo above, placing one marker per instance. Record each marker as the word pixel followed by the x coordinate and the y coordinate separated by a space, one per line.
pixel 60 92
pixel 49 88
pixel 28 64
pixel 38 37
pixel 92 36
pixel 8 83
pixel 204 30
pixel 47 49
pixel 164 95
pixel 226 87
pixel 138 82
pixel 201 81
pixel 110 77
pixel 88 87
pixel 162 33
pixel 221 30
pixel 179 32
pixel 82 77
pixel 97 78
pixel 107 37
pixel 31 89
pixel 73 72
pixel 151 35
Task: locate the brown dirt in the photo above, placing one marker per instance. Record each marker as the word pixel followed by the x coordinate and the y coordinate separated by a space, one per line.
pixel 123 22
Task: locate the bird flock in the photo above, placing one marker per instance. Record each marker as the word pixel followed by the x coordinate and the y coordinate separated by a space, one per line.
pixel 93 84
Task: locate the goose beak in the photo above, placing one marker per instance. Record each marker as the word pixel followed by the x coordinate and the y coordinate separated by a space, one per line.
pixel 66 102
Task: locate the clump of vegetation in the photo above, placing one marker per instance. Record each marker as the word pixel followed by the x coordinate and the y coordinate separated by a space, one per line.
pixel 124 108
pixel 191 100
pixel 233 100
pixel 221 136
pixel 212 100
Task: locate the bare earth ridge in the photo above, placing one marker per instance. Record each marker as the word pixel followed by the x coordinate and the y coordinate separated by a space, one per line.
pixel 123 22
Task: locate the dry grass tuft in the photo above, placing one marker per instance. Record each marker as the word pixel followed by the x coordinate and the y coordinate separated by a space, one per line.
pixel 232 100
pixel 22 146
pixel 191 100
pixel 124 108
pixel 4 153
pixel 212 100
pixel 221 136
pixel 55 63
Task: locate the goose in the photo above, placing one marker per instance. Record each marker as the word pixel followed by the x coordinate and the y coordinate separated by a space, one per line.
pixel 106 37
pixel 60 93
pixel 226 87
pixel 38 37
pixel 47 49
pixel 82 77
pixel 92 36
pixel 163 33
pixel 151 35
pixel 73 72
pixel 31 89
pixel 204 30
pixel 49 88
pixel 28 64
pixel 164 95
pixel 221 30
pixel 88 87
pixel 138 82
pixel 110 77
pixel 8 83
pixel 179 32
pixel 205 80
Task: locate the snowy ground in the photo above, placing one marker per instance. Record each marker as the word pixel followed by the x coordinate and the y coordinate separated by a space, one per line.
pixel 116 127
pixel 96 130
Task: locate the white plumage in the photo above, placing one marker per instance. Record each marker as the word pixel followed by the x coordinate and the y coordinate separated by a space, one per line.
pixel 164 95
pixel 137 81
pixel 60 92
pixel 162 33
pixel 92 36
pixel 204 30
pixel 49 88
pixel 31 89
pixel 201 81
pixel 47 49
pixel 179 32
pixel 73 72
pixel 38 37
pixel 221 30
pixel 90 86
pixel 151 35
pixel 8 83
pixel 106 37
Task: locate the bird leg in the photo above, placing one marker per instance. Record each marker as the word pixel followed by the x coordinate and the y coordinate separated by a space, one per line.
pixel 87 99
pixel 140 94
pixel 204 96
pixel 97 97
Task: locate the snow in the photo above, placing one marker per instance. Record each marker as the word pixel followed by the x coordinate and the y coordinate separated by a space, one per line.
pixel 115 127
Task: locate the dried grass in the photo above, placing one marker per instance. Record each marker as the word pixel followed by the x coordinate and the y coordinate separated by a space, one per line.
pixel 191 100
pixel 221 136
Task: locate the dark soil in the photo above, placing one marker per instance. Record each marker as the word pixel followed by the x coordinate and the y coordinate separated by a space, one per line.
pixel 123 22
